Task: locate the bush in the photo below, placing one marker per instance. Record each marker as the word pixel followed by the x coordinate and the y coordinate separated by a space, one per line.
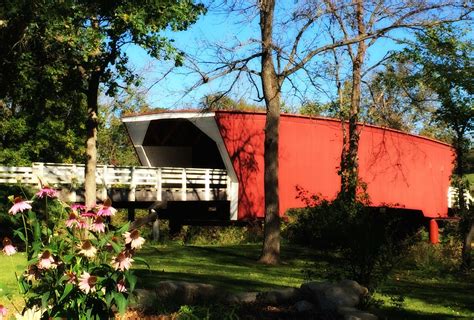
pixel 315 227
pixel 437 259
pixel 220 235
pixel 370 241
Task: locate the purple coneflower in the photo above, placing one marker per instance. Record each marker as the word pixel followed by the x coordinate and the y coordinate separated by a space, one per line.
pixel 122 261
pixel 121 286
pixel 47 192
pixel 46 260
pixel 87 249
pixel 78 208
pixel 89 214
pixel 87 282
pixel 19 206
pixel 72 220
pixel 3 311
pixel 106 209
pixel 134 239
pixel 82 224
pixel 98 225
pixel 8 247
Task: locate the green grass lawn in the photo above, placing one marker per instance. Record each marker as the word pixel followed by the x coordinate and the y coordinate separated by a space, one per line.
pixel 470 177
pixel 234 268
pixel 9 295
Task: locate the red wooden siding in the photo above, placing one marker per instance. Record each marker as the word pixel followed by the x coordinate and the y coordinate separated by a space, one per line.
pixel 401 170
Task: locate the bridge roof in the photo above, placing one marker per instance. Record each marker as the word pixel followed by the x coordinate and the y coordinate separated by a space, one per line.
pixel 198 113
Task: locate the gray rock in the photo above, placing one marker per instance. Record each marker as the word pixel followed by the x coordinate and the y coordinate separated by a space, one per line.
pixel 331 296
pixel 349 313
pixel 304 306
pixel 143 299
pixel 280 297
pixel 241 297
pixel 181 292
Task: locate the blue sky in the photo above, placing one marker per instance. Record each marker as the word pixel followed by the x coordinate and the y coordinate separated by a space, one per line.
pixel 173 91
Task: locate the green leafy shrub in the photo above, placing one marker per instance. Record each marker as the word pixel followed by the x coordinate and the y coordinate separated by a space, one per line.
pixel 437 259
pixel 220 235
pixel 77 267
pixel 211 312
pixel 369 240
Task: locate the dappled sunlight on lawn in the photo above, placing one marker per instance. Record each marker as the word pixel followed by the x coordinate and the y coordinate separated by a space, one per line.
pixel 9 294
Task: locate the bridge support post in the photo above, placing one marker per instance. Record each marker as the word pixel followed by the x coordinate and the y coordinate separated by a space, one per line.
pixel 156 230
pixel 434 231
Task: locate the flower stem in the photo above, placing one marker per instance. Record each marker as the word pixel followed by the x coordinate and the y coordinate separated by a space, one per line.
pixel 26 235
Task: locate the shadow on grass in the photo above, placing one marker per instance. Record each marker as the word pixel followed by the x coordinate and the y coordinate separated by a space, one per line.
pixel 150 278
pixel 457 295
pixel 245 255
pixel 232 267
pixel 235 268
pixel 395 314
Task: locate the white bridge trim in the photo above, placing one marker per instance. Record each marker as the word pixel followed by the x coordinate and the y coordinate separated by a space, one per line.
pixel 204 121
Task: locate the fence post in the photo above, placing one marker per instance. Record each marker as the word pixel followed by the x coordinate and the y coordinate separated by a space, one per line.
pixel 207 185
pixel 38 171
pixel 104 181
pixel 158 185
pixel 72 192
pixel 183 184
pixel 131 192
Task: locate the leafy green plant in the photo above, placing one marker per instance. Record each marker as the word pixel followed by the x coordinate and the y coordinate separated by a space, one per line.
pixel 222 235
pixel 370 241
pixel 436 259
pixel 78 268
pixel 211 312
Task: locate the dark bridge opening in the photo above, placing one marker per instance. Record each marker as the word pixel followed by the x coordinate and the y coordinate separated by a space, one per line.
pixel 179 143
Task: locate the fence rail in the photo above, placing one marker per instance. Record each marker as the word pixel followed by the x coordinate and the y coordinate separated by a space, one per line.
pixel 204 184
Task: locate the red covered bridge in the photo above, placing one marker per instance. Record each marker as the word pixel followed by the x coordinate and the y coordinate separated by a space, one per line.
pixel 401 170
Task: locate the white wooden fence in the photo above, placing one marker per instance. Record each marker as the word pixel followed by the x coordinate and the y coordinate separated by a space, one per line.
pixel 205 184
pixel 453 195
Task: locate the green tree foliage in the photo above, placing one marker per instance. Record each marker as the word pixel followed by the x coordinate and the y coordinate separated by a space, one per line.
pixel 114 145
pixel 393 101
pixel 82 43
pixel 220 101
pixel 315 109
pixel 40 108
pixel 444 57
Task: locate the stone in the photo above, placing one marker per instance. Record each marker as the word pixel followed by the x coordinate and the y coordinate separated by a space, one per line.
pixel 241 297
pixel 348 313
pixel 181 292
pixel 331 296
pixel 285 296
pixel 143 299
pixel 304 306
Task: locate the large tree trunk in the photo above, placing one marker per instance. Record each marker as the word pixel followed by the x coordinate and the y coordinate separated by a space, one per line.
pixel 91 141
pixel 271 92
pixel 349 161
